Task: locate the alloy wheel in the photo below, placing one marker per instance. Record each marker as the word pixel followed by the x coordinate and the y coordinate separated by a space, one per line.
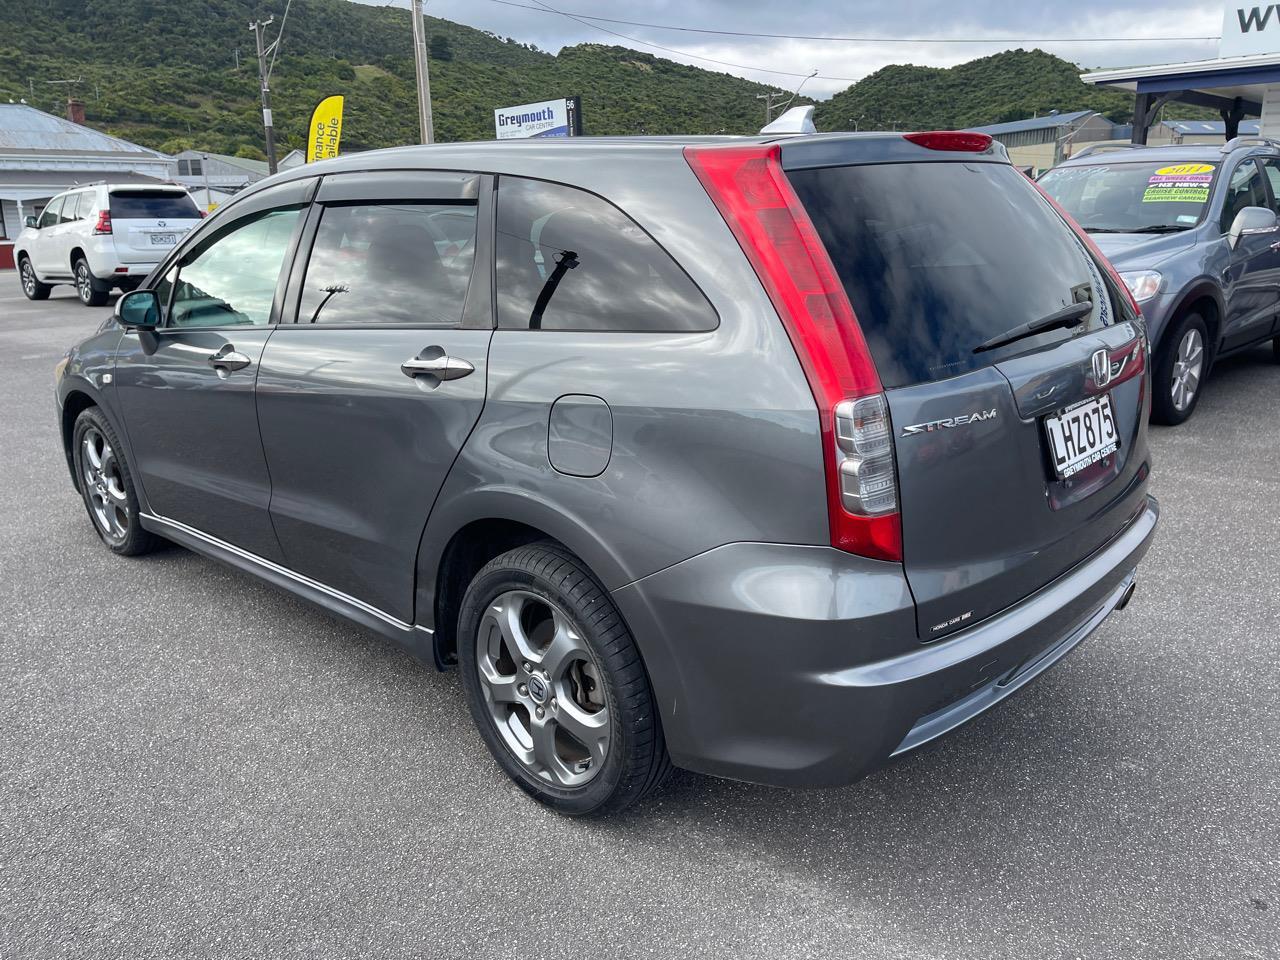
pixel 104 484
pixel 544 692
pixel 28 279
pixel 84 286
pixel 1187 367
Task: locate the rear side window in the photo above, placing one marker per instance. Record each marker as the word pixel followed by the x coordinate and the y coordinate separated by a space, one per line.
pixel 390 263
pixel 152 205
pixel 568 260
pixel 938 257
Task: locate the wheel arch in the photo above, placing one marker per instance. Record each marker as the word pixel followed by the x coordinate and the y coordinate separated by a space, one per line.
pixel 74 403
pixel 463 537
pixel 78 253
pixel 1205 298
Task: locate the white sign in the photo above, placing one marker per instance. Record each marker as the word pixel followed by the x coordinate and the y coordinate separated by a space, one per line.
pixel 550 118
pixel 1248 28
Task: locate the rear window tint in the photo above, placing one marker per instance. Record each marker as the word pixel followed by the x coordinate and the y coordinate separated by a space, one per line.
pixel 567 260
pixel 154 205
pixel 938 257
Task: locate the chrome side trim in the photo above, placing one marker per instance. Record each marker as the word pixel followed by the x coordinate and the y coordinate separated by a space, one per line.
pixel 273 567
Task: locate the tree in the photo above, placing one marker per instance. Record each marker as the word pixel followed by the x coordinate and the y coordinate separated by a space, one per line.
pixel 439 48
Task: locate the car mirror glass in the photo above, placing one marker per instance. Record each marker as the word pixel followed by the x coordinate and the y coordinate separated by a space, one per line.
pixel 139 309
pixel 31 221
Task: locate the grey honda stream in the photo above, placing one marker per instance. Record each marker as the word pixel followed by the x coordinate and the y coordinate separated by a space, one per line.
pixel 769 458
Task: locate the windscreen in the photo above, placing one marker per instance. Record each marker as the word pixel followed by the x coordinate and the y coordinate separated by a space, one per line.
pixel 939 258
pixel 1133 197
pixel 152 205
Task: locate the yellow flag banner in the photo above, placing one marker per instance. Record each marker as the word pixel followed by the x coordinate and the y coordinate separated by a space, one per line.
pixel 326 130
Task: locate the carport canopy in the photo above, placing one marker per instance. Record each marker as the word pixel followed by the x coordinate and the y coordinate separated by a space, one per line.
pixel 1234 86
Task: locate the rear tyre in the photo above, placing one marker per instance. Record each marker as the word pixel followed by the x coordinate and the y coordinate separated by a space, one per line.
pixel 31 285
pixel 1180 371
pixel 1275 349
pixel 106 485
pixel 556 685
pixel 90 292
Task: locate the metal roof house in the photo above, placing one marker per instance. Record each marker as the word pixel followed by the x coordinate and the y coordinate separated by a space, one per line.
pixel 41 155
pixel 1039 143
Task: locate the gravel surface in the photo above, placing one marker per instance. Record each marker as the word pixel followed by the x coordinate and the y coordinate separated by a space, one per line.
pixel 193 764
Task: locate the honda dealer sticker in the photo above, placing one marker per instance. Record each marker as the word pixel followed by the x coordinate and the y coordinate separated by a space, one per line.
pixel 1181 183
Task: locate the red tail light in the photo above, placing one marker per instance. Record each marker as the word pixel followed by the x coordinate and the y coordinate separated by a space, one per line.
pixel 750 189
pixel 104 222
pixel 950 140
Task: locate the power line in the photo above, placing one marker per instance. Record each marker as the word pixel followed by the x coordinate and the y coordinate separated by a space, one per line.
pixel 802 36
pixel 683 53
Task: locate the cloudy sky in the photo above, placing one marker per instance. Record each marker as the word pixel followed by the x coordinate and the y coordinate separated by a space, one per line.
pixel 1120 25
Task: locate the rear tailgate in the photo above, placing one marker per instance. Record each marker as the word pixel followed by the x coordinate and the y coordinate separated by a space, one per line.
pixel 147 222
pixel 1014 463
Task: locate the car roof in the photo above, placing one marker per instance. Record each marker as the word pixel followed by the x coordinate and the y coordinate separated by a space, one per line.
pixel 1179 153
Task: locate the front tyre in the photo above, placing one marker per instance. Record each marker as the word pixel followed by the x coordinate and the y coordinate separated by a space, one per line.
pixel 1180 371
pixel 31 285
pixel 556 685
pixel 106 485
pixel 87 287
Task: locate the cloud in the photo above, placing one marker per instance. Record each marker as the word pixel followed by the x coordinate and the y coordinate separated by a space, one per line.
pixel 1009 26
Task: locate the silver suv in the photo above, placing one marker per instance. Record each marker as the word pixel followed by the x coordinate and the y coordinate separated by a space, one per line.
pixel 101 236
pixel 767 458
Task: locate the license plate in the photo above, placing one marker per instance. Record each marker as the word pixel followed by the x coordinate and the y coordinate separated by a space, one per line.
pixel 164 239
pixel 1081 435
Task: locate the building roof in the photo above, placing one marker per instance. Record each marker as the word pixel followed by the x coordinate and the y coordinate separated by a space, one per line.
pixel 1229 77
pixel 258 168
pixel 1047 122
pixel 55 181
pixel 1211 127
pixel 26 130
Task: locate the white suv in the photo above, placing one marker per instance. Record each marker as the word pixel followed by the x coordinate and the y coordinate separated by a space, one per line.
pixel 101 236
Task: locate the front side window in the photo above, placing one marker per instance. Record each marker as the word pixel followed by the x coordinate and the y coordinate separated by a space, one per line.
pixel 1245 189
pixel 567 260
pixel 50 215
pixel 390 262
pixel 232 281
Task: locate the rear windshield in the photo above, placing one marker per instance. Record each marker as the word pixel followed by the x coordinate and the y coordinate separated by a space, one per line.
pixel 939 257
pixel 1133 197
pixel 152 205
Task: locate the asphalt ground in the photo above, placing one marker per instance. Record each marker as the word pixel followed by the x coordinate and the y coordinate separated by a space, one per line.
pixel 193 764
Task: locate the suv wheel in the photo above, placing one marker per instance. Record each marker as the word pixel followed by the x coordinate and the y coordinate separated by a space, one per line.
pixel 106 485
pixel 1180 371
pixel 556 685
pixel 87 288
pixel 31 285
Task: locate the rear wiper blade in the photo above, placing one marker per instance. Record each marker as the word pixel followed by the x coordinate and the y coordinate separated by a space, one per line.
pixel 1071 316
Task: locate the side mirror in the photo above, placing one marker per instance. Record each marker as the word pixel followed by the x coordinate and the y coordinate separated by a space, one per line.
pixel 1249 221
pixel 139 309
pixel 32 222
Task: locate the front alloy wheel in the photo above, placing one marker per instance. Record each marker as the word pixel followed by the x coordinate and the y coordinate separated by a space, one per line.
pixel 1188 364
pixel 104 486
pixel 32 288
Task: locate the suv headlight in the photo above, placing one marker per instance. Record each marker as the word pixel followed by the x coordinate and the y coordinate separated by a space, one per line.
pixel 1143 284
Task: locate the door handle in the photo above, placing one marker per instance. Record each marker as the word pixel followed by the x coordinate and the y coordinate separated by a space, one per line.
pixel 1276 245
pixel 442 367
pixel 227 359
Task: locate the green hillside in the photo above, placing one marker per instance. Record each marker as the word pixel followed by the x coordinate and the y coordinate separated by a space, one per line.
pixel 164 73
pixel 1012 85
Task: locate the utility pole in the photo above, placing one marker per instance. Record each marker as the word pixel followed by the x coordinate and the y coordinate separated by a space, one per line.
pixel 420 69
pixel 768 103
pixel 257 28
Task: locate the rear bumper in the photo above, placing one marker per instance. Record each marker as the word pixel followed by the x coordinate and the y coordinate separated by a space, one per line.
pixel 777 664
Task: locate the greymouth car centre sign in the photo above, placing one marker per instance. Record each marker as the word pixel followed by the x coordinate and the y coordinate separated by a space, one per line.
pixel 1248 28
pixel 548 118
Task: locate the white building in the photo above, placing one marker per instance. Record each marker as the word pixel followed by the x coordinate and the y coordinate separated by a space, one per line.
pixel 41 155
